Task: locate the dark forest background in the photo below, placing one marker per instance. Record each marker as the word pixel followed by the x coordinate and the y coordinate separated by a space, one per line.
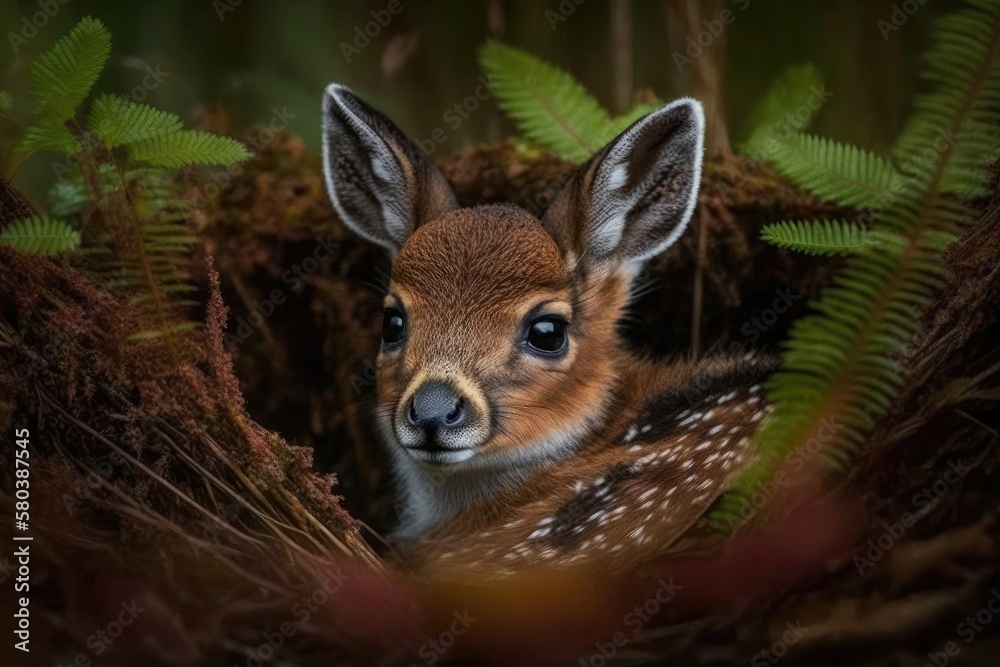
pixel 229 64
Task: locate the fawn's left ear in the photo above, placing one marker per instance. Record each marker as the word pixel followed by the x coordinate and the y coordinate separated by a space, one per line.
pixel 634 198
pixel 382 186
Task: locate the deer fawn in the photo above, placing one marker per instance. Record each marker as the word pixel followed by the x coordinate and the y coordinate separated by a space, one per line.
pixel 522 432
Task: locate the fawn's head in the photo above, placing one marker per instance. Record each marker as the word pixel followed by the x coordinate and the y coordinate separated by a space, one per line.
pixel 499 338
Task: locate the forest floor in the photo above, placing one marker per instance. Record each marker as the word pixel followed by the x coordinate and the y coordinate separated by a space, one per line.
pixel 194 476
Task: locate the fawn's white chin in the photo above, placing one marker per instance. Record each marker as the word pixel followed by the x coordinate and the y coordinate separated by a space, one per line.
pixel 441 456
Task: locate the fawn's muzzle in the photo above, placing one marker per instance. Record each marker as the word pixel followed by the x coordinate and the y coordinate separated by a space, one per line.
pixel 438 423
pixel 437 405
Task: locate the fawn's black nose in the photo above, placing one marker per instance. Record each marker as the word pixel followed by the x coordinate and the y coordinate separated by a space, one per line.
pixel 437 405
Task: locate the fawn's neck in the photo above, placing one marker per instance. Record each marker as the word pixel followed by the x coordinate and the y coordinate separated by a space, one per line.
pixel 432 495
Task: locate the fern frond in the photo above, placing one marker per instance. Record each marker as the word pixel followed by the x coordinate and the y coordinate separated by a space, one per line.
pixel 62 77
pixel 116 121
pixel 817 237
pixel 67 197
pixel 187 147
pixel 547 104
pixel 171 330
pixel 784 108
pixel 35 236
pixel 962 59
pixel 6 101
pixel 157 270
pixel 839 370
pixel 73 194
pixel 840 173
pixel 45 133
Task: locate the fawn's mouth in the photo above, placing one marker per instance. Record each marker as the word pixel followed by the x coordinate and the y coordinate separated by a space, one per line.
pixel 435 454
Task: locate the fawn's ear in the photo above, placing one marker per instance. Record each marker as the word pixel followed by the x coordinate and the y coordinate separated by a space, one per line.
pixel 634 198
pixel 382 186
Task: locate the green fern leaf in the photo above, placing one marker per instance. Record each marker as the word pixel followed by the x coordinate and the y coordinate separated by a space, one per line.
pixel 73 194
pixel 159 276
pixel 48 134
pixel 953 66
pixel 62 77
pixel 784 108
pixel 67 197
pixel 171 330
pixel 836 172
pixel 35 236
pixel 548 105
pixel 187 147
pixel 116 121
pixel 839 370
pixel 6 101
pixel 818 237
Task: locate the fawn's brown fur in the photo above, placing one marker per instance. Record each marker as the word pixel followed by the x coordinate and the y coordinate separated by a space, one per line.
pixel 522 431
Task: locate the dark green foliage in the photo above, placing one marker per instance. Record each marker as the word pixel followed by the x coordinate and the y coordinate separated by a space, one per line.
pixel 839 363
pixel 48 134
pixel 783 109
pixel 35 236
pixel 839 367
pixel 145 244
pixel 549 106
pixel 62 77
pixel 118 122
pixel 840 173
pixel 180 149
pixel 823 237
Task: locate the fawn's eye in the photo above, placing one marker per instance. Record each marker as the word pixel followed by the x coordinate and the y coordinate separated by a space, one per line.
pixel 393 326
pixel 547 335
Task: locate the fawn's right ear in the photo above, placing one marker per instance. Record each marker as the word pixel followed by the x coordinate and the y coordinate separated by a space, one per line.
pixel 634 198
pixel 382 186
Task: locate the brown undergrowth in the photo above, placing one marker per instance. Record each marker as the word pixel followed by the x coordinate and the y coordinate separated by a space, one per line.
pixel 162 478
